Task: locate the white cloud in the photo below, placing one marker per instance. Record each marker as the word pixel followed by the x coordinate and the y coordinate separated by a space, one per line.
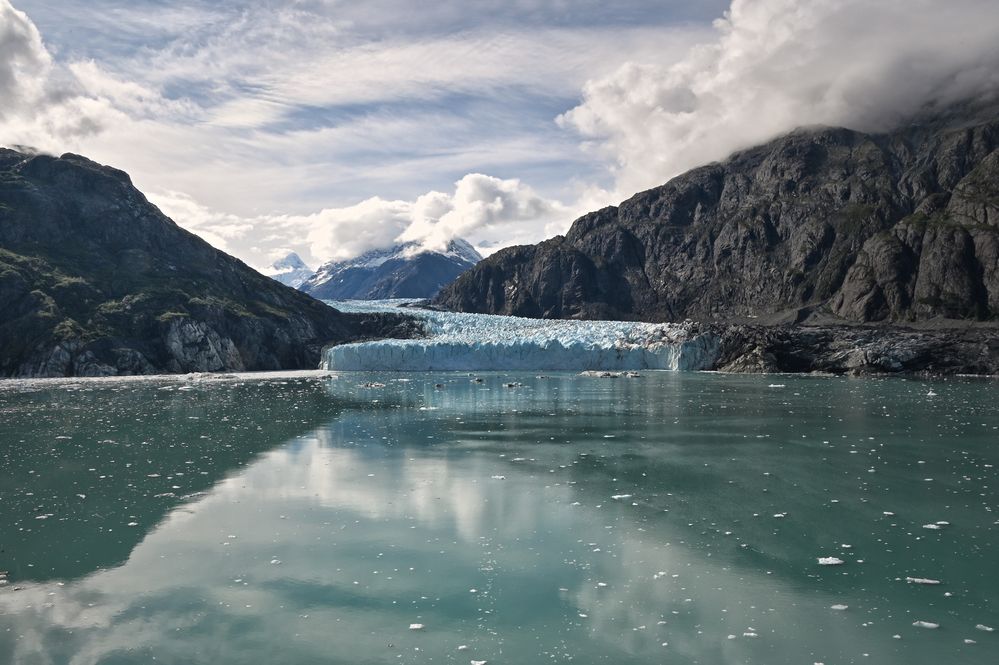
pixel 486 209
pixel 779 64
pixel 43 105
pixel 489 212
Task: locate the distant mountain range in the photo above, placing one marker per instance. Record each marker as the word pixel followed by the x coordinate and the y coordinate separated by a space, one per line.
pixel 403 271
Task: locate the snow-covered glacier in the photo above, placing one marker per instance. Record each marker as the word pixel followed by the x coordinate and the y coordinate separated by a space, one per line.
pixel 479 342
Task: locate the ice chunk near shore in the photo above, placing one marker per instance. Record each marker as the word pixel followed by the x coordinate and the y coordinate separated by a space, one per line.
pixel 473 342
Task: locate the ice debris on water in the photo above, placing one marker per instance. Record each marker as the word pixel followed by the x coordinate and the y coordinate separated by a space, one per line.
pixel 925 624
pixel 921 580
pixel 620 497
pixel 839 608
pixel 983 627
pixel 416 626
pixel 471 342
pixel 830 561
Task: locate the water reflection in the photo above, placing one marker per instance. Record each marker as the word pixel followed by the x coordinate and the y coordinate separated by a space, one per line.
pixel 666 519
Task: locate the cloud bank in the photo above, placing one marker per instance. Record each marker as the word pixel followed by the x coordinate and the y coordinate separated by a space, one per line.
pixel 490 212
pixel 779 64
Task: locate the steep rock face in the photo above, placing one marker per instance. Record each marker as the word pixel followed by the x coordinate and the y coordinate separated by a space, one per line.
pixel 404 271
pixel 901 226
pixel 95 280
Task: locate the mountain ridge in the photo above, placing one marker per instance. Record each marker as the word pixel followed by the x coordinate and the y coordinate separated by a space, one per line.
pixel 95 280
pixel 819 224
pixel 405 270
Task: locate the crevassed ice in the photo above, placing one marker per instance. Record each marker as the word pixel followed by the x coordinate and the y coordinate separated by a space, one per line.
pixel 478 342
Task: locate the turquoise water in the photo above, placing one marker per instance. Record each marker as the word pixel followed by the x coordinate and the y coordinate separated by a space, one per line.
pixel 671 518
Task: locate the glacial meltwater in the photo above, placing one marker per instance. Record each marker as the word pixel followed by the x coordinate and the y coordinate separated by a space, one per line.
pixel 505 518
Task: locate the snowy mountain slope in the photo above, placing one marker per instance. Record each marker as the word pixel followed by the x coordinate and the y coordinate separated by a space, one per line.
pixel 479 342
pixel 290 270
pixel 403 271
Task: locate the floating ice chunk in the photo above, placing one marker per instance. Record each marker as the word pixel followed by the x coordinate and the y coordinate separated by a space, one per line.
pixel 921 580
pixel 776 385
pixel 749 634
pixel 416 626
pixel 925 624
pixel 478 662
pixel 462 647
pixel 982 627
pixel 839 608
pixel 620 497
pixel 499 477
pixel 935 527
pixel 830 561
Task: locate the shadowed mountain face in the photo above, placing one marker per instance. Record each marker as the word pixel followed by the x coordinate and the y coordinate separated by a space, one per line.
pixel 820 224
pixel 95 280
pixel 404 271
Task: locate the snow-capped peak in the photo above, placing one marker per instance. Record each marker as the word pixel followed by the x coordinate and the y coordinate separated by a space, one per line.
pixel 290 270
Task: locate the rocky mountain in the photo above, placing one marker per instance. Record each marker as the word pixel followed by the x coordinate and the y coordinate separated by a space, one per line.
pixel 403 271
pixel 290 270
pixel 95 280
pixel 823 224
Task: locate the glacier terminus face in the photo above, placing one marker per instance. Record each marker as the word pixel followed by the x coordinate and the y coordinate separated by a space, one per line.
pixel 481 342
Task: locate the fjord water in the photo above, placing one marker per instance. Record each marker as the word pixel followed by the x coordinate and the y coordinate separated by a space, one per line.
pixel 670 518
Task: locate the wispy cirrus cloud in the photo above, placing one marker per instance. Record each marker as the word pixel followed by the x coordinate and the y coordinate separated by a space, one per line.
pixel 343 124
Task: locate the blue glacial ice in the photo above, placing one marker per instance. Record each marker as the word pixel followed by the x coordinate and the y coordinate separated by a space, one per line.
pixel 480 342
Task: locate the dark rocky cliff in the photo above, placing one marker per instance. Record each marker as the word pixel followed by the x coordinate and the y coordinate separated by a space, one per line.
pixel 95 280
pixel 821 224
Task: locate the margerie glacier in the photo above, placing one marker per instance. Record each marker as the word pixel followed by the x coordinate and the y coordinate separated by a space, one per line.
pixel 480 342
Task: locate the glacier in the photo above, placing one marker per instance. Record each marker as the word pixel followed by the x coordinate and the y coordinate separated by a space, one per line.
pixel 481 342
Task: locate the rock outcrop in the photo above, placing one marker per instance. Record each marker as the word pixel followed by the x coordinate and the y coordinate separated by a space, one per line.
pixel 95 280
pixel 856 350
pixel 823 224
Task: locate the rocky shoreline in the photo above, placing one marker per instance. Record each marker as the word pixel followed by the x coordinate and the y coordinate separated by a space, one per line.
pixel 856 350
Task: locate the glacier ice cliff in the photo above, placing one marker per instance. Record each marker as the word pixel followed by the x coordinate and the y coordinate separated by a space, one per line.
pixel 479 342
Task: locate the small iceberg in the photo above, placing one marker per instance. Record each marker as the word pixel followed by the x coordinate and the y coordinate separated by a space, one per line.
pixel 926 624
pixel 921 580
pixel 830 561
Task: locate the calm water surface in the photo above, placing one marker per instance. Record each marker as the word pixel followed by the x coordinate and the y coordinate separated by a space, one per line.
pixel 672 518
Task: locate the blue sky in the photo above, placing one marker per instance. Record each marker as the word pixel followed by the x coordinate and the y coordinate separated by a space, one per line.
pixel 331 127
